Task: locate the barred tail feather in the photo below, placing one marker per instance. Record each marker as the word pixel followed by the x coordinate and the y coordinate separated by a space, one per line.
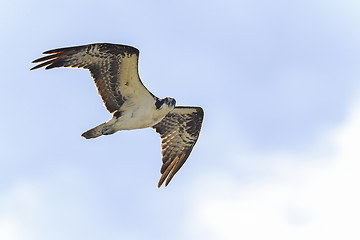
pixel 93 133
pixel 102 129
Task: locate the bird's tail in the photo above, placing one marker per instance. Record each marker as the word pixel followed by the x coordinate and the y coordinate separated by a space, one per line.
pixel 103 129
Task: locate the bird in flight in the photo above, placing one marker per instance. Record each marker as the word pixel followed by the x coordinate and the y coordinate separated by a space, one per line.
pixel 114 68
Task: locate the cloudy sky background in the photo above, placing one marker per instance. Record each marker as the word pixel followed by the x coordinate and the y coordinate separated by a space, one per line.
pixel 278 155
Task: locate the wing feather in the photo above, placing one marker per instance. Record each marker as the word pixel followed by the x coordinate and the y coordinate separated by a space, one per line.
pixel 179 131
pixel 113 67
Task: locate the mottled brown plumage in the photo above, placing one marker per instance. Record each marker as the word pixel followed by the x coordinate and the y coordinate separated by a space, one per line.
pixel 105 62
pixel 179 131
pixel 114 69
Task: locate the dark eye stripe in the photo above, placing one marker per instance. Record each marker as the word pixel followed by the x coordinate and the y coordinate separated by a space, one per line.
pixel 159 103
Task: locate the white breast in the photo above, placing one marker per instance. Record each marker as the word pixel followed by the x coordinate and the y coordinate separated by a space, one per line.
pixel 141 115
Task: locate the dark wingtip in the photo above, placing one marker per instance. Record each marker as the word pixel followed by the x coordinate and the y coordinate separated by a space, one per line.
pixel 201 110
pixel 47 60
pixel 169 179
pixel 50 62
pixel 161 181
pixel 37 66
pixel 58 50
pixel 50 67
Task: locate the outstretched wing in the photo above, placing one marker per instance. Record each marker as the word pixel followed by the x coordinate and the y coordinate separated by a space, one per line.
pixel 179 131
pixel 114 69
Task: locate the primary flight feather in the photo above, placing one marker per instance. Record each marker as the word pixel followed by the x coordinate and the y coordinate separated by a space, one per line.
pixel 114 69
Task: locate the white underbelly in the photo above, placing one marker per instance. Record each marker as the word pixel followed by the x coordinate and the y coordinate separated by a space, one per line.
pixel 137 119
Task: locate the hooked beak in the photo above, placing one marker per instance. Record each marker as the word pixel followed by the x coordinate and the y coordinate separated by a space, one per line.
pixel 171 102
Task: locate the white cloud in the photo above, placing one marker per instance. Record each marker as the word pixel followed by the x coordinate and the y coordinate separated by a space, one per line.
pixel 315 196
pixel 19 206
pixel 10 230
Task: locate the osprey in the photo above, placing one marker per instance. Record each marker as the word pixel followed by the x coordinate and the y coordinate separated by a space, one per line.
pixel 114 69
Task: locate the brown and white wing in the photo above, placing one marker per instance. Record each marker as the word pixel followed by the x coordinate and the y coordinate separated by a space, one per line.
pixel 179 131
pixel 114 68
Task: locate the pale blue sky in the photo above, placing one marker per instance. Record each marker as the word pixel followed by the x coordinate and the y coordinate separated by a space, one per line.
pixel 278 81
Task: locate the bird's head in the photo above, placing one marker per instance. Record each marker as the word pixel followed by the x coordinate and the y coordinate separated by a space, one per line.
pixel 167 102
